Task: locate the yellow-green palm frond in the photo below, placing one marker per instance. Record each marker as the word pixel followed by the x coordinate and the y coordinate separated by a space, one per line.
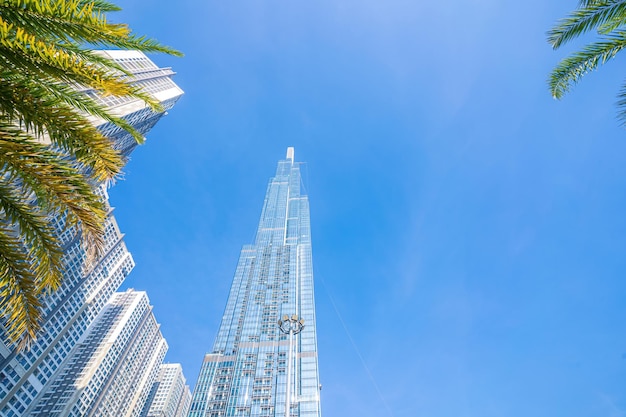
pixel 79 22
pixel 54 48
pixel 35 231
pixel 44 114
pixel 80 101
pixel 42 59
pixel 102 6
pixel 19 304
pixel 37 183
pixel 51 156
pixel 57 183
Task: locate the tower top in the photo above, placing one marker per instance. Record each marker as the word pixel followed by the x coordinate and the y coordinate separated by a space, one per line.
pixel 290 153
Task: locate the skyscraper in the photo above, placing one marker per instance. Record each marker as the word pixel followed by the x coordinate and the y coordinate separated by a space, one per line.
pixel 170 396
pixel 251 370
pixel 111 372
pixel 68 312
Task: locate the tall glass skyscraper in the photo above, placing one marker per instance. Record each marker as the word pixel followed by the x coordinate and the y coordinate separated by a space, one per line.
pixel 251 370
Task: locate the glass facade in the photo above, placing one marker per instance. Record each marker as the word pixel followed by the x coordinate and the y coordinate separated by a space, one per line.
pixel 246 372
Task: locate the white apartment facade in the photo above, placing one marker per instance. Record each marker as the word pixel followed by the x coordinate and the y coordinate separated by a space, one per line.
pixel 68 312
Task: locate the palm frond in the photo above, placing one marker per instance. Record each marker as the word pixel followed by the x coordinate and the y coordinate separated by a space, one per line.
pixel 58 184
pixel 587 3
pixel 51 156
pixel 101 6
pixel 621 105
pixel 35 231
pixel 19 303
pixel 45 114
pixel 612 25
pixel 587 18
pixel 80 24
pixel 569 71
pixel 79 100
pixel 44 61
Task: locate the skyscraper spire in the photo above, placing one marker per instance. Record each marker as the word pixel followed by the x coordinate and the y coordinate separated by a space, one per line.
pixel 246 372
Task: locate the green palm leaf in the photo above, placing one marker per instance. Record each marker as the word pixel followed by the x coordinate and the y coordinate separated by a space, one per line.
pixel 19 303
pixel 51 157
pixel 571 69
pixel 608 17
pixel 586 19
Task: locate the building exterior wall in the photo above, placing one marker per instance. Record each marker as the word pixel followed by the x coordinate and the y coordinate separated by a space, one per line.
pixel 184 404
pixel 86 287
pixel 170 395
pixel 111 372
pixel 246 372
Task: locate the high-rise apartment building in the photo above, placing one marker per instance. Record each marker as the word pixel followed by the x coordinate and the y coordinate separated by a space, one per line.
pixel 112 370
pixel 170 395
pixel 86 288
pixel 255 369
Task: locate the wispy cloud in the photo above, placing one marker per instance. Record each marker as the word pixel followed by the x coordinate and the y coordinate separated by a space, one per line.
pixel 610 406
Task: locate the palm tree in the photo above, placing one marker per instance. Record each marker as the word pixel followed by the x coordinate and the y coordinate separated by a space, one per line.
pixel 608 18
pixel 51 157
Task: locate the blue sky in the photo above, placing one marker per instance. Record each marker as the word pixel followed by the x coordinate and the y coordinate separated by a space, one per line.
pixel 469 228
